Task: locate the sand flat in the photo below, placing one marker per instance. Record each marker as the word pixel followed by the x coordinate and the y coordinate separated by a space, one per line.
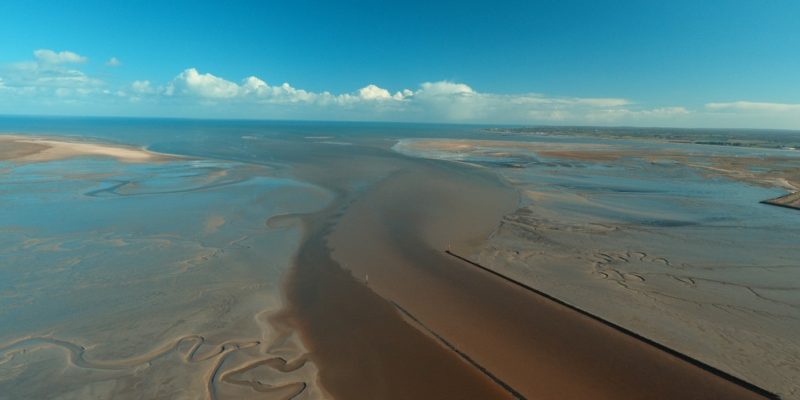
pixel 540 349
pixel 373 308
pixel 125 279
pixel 388 273
pixel 42 149
pixel 674 241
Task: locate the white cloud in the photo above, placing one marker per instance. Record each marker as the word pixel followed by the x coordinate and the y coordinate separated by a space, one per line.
pixel 206 85
pixel 444 88
pixel 47 56
pixel 143 87
pixel 372 92
pixel 113 62
pixel 752 106
pixel 49 81
pixel 53 78
pixel 38 75
pixel 254 85
pixel 432 101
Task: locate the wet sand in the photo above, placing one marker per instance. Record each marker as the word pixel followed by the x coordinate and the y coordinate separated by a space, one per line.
pixel 669 241
pixel 127 280
pixel 791 200
pixel 391 241
pixel 364 349
pixel 383 311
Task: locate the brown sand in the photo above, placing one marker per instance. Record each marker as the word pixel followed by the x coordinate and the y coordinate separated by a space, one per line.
pixel 365 350
pixel 791 200
pixel 39 149
pixel 394 236
pixel 12 150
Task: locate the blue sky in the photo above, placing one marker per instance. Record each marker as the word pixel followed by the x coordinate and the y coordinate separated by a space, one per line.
pixel 725 63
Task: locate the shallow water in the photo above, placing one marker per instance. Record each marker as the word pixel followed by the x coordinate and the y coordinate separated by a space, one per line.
pixel 111 262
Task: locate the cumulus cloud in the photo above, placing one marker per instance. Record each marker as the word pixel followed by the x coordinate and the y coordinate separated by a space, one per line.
pixel 53 77
pixel 191 82
pixel 113 62
pixel 372 92
pixel 210 87
pixel 47 56
pixel 443 101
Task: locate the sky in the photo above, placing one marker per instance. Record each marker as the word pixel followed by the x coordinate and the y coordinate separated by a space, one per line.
pixel 712 63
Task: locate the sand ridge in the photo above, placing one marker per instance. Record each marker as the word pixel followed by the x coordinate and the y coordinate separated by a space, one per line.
pixel 19 148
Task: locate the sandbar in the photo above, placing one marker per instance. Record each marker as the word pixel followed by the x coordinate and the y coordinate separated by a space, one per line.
pixel 30 149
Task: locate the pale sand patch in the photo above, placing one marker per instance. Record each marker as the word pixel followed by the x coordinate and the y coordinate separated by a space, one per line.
pixel 42 149
pixel 213 223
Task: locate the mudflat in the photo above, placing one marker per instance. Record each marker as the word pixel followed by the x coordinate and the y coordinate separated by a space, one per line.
pixel 389 272
pixel 321 265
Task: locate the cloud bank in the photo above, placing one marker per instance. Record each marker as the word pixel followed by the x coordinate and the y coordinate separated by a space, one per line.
pixel 54 82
